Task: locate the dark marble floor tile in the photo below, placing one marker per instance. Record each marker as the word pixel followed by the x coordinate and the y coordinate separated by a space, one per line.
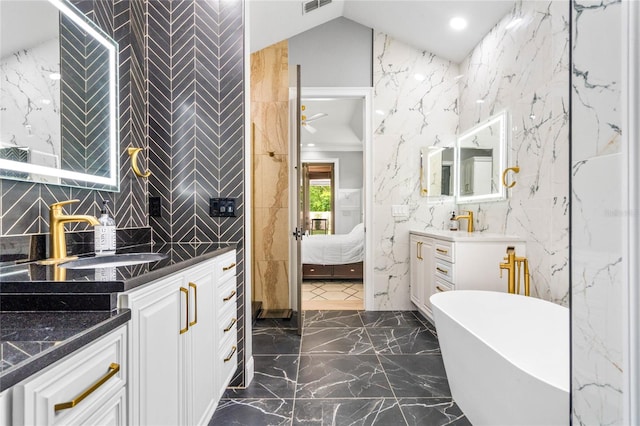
pixel 426 322
pixel 347 412
pixel 351 341
pixel 263 412
pixel 416 375
pixel 276 341
pixel 341 376
pixel 332 319
pixel 277 322
pixel 275 377
pixel 398 341
pixel 432 412
pixel 389 319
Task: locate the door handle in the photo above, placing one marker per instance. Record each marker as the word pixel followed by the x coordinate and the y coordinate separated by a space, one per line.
pixel 229 297
pixel 113 370
pixel 230 326
pixel 186 328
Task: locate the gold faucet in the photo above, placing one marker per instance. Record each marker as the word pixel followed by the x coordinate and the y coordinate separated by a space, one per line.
pixel 469 217
pixel 510 265
pixel 57 219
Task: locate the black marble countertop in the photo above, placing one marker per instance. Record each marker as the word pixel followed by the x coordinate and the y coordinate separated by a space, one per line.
pixel 31 341
pixel 47 314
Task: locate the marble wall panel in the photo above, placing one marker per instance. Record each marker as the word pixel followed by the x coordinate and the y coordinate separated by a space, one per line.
pixel 522 66
pixel 270 121
pixel 415 99
pixel 598 215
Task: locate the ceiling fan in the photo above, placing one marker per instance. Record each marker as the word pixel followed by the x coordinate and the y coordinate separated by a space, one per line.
pixel 306 120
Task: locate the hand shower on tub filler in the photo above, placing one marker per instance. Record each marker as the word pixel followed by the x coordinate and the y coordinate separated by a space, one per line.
pixel 510 263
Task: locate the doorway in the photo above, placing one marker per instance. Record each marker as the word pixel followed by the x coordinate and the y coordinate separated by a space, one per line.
pixel 336 167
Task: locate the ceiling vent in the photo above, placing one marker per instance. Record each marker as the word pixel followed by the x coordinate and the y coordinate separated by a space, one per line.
pixel 310 6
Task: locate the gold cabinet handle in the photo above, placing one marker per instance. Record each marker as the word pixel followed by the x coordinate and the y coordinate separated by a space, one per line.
pixel 230 326
pixel 133 153
pixel 113 370
pixel 195 302
pixel 233 351
pixel 226 268
pixel 186 292
pixel 439 250
pixel 442 271
pixel 441 289
pixel 230 296
pixel 419 249
pixel 515 169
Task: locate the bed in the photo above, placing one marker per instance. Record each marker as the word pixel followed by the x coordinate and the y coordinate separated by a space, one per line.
pixel 334 256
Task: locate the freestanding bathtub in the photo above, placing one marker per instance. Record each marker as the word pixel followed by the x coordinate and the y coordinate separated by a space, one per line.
pixel 506 357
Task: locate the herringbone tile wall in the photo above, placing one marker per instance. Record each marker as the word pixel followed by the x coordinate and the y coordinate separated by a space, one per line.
pixel 182 100
pixel 196 125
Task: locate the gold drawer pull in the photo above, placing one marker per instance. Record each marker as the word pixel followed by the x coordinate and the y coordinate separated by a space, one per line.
pixel 195 302
pixel 113 370
pixel 439 250
pixel 442 271
pixel 230 296
pixel 440 289
pixel 186 292
pixel 233 322
pixel 233 351
pixel 226 268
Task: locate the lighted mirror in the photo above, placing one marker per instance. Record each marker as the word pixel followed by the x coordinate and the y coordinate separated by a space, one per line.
pixel 481 158
pixel 437 172
pixel 58 97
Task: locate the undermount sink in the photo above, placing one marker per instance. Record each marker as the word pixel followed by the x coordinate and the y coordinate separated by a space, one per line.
pixel 112 260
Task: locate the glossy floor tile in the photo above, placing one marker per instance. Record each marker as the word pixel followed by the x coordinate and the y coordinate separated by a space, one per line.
pixel 348 368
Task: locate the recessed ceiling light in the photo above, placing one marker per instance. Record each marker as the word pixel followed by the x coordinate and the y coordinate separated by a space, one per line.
pixel 379 112
pixel 45 101
pixel 458 77
pixel 480 101
pixel 311 144
pixel 55 76
pixel 458 23
pixel 419 77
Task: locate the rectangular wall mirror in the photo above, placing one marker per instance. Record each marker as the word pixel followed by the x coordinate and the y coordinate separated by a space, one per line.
pixel 58 97
pixel 480 159
pixel 438 172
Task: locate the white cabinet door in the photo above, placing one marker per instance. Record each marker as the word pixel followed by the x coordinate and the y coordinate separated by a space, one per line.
pixel 202 339
pixel 421 252
pixel 157 383
pixel 415 266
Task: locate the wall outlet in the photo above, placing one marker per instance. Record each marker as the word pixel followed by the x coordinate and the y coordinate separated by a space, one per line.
pixel 155 207
pixel 222 207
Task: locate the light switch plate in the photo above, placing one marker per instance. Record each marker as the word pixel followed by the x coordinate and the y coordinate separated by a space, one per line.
pixel 399 210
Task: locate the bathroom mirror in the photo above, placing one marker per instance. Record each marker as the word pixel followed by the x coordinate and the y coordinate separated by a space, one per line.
pixel 480 159
pixel 437 172
pixel 58 97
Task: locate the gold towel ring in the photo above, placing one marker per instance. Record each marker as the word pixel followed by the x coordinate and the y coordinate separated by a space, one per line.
pixel 515 169
pixel 133 153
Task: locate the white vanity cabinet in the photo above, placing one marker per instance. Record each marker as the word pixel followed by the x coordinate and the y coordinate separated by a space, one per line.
pixel 85 388
pixel 457 260
pixel 176 378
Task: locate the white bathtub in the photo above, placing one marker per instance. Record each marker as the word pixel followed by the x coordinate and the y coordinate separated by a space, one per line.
pixel 506 357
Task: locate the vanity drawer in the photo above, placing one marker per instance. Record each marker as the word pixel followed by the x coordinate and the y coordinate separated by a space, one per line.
pixel 444 271
pixel 226 266
pixel 316 271
pixel 440 286
pixel 444 250
pixel 227 363
pixel 227 325
pixel 77 386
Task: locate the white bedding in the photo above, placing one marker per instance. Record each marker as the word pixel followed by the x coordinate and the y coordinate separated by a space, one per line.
pixel 334 249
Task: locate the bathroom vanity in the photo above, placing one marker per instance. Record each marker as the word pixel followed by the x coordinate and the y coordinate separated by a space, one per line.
pixel 456 260
pixel 164 355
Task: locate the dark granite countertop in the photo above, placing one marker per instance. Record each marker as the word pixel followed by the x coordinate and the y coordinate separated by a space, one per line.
pixel 31 341
pixel 48 314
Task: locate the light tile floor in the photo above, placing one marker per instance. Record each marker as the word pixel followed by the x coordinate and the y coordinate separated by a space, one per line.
pixel 348 368
pixel 332 295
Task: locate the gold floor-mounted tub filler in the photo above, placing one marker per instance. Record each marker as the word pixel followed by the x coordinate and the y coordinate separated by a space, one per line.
pixel 511 260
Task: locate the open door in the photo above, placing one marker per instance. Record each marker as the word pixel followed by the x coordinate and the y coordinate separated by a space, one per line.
pixel 299 230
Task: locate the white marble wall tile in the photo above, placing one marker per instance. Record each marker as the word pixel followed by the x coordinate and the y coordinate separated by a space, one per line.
pixel 411 114
pixel 30 100
pixel 597 215
pixel 524 69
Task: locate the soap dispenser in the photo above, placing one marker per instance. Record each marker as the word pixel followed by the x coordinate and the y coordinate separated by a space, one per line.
pixel 453 222
pixel 105 233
